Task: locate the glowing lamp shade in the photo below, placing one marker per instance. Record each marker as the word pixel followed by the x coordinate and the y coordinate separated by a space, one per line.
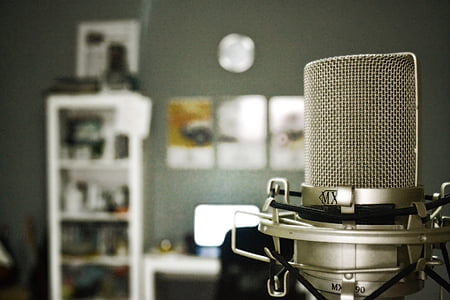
pixel 236 53
pixel 213 221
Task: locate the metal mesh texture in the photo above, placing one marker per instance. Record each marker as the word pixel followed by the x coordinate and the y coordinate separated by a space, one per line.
pixel 360 121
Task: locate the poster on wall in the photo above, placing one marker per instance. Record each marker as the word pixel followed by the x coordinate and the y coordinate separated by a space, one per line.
pixel 242 132
pixel 286 117
pixel 190 133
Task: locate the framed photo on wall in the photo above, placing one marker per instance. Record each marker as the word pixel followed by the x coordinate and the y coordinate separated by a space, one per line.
pixel 242 132
pixel 287 140
pixel 97 38
pixel 190 133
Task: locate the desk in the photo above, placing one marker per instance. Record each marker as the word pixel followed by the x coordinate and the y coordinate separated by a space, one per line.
pixel 176 264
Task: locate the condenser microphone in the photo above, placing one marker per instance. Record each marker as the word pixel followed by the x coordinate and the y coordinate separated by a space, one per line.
pixel 363 229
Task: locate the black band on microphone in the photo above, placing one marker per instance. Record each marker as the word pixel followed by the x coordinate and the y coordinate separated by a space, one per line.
pixel 315 214
pixel 291 193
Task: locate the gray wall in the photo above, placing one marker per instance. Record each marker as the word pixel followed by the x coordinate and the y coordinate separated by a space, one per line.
pixel 179 59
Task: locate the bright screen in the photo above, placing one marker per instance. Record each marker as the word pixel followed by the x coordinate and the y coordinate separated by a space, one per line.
pixel 212 222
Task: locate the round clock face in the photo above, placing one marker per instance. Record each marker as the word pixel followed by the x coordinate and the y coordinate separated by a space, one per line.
pixel 236 53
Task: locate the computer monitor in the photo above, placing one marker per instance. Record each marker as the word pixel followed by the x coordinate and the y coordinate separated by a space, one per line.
pixel 213 221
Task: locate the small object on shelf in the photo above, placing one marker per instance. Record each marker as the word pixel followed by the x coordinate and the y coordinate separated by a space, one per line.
pixel 121 199
pixel 165 246
pixel 122 248
pixel 117 76
pixel 84 137
pixel 93 197
pixel 121 145
pixel 82 152
pixel 73 198
pixel 106 241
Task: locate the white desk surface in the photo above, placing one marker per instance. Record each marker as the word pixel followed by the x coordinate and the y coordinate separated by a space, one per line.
pixel 173 263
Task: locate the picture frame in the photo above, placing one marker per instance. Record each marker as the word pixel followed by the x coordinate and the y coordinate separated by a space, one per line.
pixel 94 38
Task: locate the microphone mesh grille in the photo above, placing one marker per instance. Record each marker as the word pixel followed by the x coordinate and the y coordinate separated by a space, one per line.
pixel 360 121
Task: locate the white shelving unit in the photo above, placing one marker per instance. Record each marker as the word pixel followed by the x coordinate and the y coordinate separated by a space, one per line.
pixel 94 160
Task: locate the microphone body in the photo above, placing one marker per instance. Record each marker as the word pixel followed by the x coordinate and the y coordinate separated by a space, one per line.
pixel 361 121
pixel 354 234
pixel 361 140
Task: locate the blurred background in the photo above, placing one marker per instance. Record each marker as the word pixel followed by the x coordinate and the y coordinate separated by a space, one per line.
pixel 178 58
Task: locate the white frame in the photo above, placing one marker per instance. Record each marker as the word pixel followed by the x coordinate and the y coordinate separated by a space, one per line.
pixel 125 32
